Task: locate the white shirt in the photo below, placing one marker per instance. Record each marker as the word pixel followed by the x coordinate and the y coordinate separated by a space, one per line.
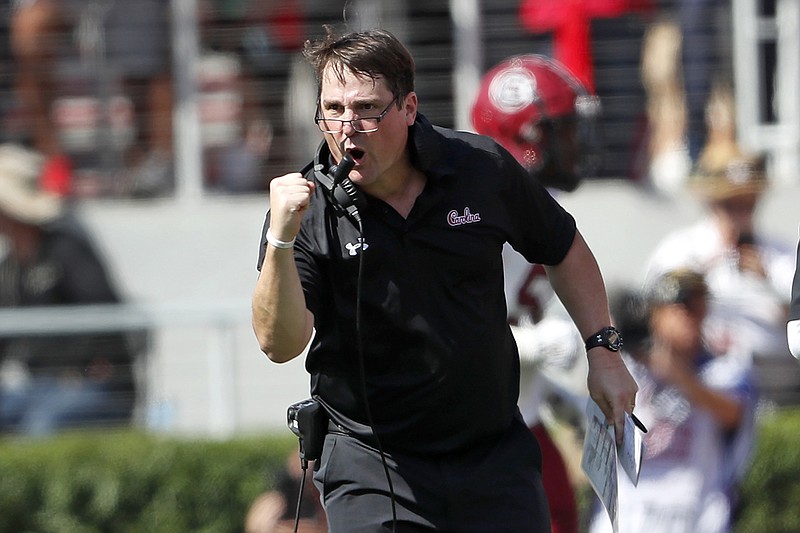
pixel 747 314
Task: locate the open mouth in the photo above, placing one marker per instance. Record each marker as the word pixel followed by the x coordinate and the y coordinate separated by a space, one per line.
pixel 357 154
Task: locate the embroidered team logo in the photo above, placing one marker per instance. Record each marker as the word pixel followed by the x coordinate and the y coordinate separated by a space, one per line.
pixel 353 248
pixel 454 218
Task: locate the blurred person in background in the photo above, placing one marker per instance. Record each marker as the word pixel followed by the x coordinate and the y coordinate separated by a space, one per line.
pixel 544 116
pixel 699 409
pixel 705 62
pixel 665 160
pixel 132 37
pixel 244 46
pixel 52 382
pixel 748 273
pixel 793 326
pixel 276 511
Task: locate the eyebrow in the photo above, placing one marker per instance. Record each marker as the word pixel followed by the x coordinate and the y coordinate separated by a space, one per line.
pixel 335 101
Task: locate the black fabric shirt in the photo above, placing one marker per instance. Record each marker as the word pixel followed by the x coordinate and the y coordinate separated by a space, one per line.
pixel 441 364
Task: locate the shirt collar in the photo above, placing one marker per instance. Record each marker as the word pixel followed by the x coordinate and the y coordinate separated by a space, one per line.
pixel 426 147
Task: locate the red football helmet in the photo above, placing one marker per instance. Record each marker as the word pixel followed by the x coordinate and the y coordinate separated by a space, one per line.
pixel 542 115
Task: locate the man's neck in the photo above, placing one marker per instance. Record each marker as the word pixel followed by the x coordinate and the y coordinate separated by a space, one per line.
pixel 401 189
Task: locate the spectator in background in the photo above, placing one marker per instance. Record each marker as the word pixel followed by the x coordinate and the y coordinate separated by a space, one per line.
pixel 793 327
pixel 703 61
pixel 133 37
pixel 748 274
pixel 629 310
pixel 686 74
pixel 666 160
pixel 275 511
pixel 699 409
pixel 52 382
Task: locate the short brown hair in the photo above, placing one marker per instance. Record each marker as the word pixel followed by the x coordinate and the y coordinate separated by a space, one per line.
pixel 374 54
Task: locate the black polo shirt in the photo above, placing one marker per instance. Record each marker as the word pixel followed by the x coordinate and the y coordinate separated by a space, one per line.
pixel 440 363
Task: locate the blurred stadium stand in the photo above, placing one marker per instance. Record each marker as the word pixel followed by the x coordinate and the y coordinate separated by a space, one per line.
pixel 247 52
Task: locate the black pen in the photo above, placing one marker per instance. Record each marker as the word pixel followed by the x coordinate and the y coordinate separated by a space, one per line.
pixel 638 423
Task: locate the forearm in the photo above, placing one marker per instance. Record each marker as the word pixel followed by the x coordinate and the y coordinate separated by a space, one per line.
pixel 579 285
pixel 282 324
pixel 725 409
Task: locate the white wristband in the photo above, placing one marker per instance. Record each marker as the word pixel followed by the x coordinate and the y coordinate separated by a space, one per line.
pixel 277 243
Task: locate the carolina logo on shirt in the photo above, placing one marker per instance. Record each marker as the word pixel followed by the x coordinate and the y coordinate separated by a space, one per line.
pixel 456 219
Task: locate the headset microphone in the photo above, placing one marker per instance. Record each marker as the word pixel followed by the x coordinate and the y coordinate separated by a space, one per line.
pixel 341 170
pixel 343 195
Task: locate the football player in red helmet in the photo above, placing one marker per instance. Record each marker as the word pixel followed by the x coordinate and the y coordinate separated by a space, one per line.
pixel 545 118
pixel 543 115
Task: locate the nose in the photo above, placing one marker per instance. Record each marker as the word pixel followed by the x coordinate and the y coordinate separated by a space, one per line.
pixel 347 128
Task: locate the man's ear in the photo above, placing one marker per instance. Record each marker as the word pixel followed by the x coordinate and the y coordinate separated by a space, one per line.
pixel 410 107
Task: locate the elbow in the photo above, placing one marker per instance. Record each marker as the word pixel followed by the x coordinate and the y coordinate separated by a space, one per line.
pixel 278 358
pixel 274 353
pixel 282 342
pixel 282 349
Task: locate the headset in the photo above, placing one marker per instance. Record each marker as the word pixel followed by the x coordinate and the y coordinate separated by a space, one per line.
pixel 345 198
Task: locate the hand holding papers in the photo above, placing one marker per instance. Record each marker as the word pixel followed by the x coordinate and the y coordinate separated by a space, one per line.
pixel 601 456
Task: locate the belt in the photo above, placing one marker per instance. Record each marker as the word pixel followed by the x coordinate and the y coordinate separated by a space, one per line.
pixel 333 427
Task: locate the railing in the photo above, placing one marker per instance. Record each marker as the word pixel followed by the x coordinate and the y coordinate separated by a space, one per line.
pixel 219 321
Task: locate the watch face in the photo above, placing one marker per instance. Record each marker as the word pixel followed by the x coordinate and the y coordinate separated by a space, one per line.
pixel 613 338
pixel 608 337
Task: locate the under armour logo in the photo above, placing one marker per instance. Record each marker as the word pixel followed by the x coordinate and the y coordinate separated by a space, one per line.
pixel 353 248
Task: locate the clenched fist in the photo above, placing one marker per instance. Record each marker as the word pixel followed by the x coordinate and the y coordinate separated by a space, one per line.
pixel 289 197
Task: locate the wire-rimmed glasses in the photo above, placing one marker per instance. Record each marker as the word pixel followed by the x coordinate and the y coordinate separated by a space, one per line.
pixel 361 124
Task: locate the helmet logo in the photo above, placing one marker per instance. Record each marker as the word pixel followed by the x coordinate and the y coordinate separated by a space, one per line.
pixel 513 89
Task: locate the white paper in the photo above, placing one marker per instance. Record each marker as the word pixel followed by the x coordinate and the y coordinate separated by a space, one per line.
pixel 601 456
pixel 629 453
pixel 599 460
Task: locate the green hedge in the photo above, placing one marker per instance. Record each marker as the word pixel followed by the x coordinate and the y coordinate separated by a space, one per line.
pixel 771 492
pixel 129 482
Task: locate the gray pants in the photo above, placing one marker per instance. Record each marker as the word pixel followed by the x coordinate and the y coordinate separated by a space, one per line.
pixel 493 488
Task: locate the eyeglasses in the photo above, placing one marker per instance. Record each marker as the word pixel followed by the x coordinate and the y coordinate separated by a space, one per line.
pixel 361 125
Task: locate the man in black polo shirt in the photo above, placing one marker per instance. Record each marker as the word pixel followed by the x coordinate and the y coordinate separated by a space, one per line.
pixel 393 272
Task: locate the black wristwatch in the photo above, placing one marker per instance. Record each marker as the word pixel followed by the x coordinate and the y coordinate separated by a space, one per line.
pixel 608 337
